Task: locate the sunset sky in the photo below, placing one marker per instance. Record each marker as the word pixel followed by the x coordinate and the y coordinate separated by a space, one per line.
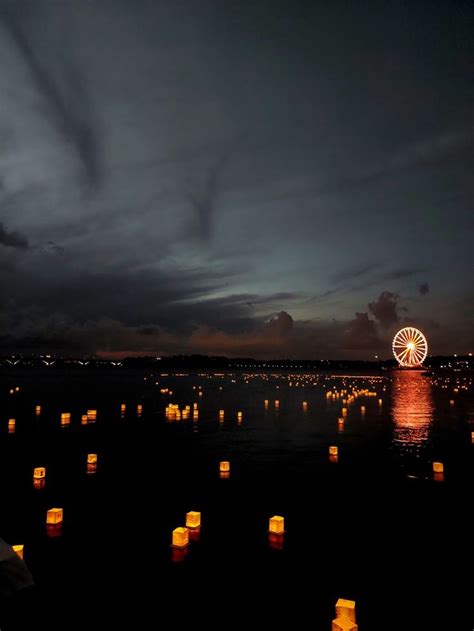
pixel 270 178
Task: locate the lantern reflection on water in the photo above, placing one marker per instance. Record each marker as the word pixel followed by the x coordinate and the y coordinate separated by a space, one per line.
pixel 180 537
pixel 19 549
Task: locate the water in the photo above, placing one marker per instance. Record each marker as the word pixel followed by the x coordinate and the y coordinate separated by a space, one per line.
pixel 373 526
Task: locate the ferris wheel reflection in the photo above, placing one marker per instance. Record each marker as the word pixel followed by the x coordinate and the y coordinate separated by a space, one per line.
pixel 412 412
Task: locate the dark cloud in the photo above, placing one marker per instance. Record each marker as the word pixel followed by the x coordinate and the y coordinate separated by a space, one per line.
pixel 233 183
pixel 424 289
pixel 12 239
pixel 384 309
pixel 64 91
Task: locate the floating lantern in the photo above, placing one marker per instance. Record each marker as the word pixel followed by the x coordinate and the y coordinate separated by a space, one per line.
pixel 472 437
pixel 346 609
pixel 11 425
pixel 38 410
pixel 195 406
pixel 19 550
pixel 195 415
pixel 277 403
pixel 193 519
pixel 277 525
pixel 139 409
pixel 344 624
pixel 438 467
pixel 224 466
pixel 180 537
pixel 380 402
pixel 39 473
pixel 84 419
pixel 92 415
pixel 54 516
pixel 333 450
pixel 344 411
pixel 266 403
pixel 239 417
pixel 17 389
pixel 91 458
pixel 362 409
pixel 12 391
pixel 305 406
pixel 65 419
pixel 200 393
pixel 221 416
pixel 123 408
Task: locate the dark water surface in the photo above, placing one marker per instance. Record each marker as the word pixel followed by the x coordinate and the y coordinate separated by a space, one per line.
pixel 373 526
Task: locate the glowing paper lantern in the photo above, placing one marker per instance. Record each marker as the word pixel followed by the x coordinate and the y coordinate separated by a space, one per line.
pixel 438 467
pixel 92 415
pixel 38 410
pixel 11 425
pixel 180 537
pixel 17 389
pixel 362 409
pixel 276 525
pixel 39 473
pixel 19 550
pixel 266 403
pixel 380 402
pixel 277 403
pixel 345 616
pixel 333 450
pixel 123 408
pixel 472 437
pixel 239 417
pixel 344 411
pixel 91 458
pixel 344 624
pixel 84 419
pixel 193 519
pixel 65 419
pixel 224 466
pixel 139 409
pixel 346 609
pixel 54 516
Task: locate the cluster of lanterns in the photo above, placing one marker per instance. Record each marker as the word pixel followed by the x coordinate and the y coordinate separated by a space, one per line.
pixel 174 413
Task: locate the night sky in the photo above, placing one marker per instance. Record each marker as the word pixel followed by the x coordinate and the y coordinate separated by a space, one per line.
pixel 267 178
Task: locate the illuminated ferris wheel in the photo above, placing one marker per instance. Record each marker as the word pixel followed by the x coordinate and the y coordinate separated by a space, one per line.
pixel 410 347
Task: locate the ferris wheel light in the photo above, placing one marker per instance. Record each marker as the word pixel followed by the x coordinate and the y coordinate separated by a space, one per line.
pixel 410 347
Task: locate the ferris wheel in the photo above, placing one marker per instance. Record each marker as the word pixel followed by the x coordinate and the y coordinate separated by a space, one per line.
pixel 410 347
